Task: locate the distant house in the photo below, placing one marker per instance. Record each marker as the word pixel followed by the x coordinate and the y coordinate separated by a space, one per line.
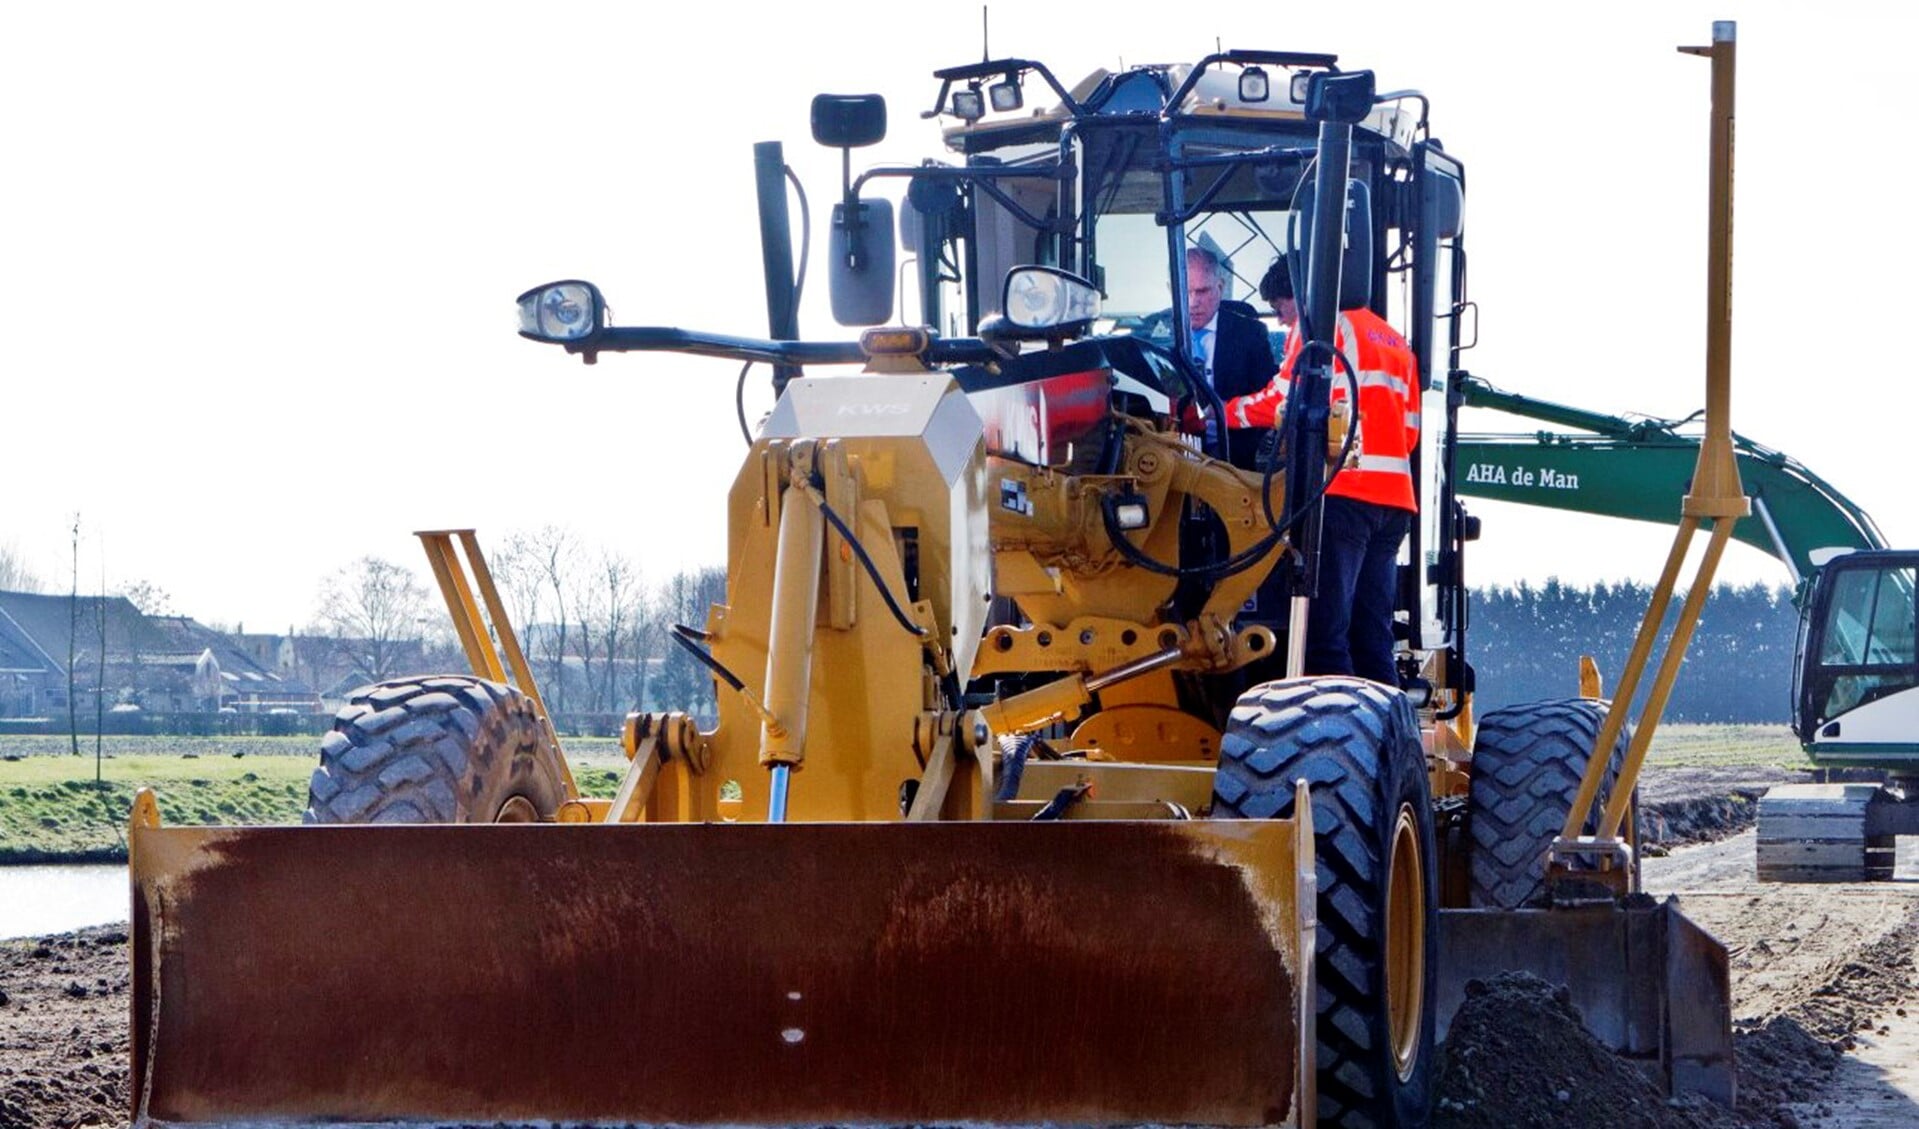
pixel 333 666
pixel 165 663
pixel 32 682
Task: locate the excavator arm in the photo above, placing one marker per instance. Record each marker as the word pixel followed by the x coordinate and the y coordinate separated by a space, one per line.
pixel 1614 466
pixel 1856 683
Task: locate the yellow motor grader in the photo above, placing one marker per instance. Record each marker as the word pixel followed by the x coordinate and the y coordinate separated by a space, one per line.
pixel 1017 807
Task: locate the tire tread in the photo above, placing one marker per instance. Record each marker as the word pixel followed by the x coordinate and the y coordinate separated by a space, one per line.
pixel 1334 734
pixel 1527 764
pixel 427 750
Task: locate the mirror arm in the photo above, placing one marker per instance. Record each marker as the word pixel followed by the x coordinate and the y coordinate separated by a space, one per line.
pixel 849 216
pixel 666 339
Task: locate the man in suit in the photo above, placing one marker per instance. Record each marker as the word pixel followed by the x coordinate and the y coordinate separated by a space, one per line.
pixel 1229 344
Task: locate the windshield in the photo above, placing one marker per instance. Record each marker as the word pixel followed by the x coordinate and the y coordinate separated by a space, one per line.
pixel 1132 255
pixel 1868 649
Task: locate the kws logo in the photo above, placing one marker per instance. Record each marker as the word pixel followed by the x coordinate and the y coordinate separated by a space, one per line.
pixel 874 409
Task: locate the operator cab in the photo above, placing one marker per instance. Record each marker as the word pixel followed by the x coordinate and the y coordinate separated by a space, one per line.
pixel 1113 180
pixel 1857 679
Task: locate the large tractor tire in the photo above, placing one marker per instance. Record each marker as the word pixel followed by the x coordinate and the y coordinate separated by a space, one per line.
pixel 1356 744
pixel 442 749
pixel 1527 763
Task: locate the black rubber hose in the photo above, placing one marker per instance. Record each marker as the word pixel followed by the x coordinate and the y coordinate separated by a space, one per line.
pixel 872 569
pixel 690 639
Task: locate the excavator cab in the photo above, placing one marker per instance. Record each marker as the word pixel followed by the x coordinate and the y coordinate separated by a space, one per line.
pixel 1856 686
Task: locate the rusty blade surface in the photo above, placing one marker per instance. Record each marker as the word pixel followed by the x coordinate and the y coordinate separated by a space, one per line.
pixel 793 974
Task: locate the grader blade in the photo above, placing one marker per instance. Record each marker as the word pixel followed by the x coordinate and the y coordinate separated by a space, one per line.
pixel 1646 980
pixel 1069 973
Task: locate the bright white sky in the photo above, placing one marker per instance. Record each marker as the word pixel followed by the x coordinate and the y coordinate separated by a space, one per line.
pixel 283 243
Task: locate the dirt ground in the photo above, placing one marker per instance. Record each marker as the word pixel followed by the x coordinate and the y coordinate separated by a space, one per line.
pixel 63 1030
pixel 1826 1002
pixel 1825 996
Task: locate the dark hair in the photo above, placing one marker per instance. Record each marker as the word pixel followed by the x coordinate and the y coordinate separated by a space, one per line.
pixel 1277 282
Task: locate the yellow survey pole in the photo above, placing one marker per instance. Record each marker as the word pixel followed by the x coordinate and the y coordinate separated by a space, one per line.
pixel 1716 495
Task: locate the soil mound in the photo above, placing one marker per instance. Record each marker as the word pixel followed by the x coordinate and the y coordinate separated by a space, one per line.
pixel 1699 819
pixel 1518 1056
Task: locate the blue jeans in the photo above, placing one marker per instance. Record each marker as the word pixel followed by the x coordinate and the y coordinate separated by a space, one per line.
pixel 1349 629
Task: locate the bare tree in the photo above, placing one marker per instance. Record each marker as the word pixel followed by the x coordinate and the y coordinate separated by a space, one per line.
pixel 608 604
pixel 536 569
pixel 517 576
pixel 73 635
pixel 589 614
pixel 372 608
pixel 620 581
pixel 100 681
pixel 15 576
pixel 441 646
pixel 647 646
pixel 148 597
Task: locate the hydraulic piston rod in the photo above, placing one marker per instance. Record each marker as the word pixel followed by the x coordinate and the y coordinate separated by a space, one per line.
pixel 789 652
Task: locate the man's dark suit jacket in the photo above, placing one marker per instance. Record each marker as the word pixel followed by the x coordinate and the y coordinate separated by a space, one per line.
pixel 1243 363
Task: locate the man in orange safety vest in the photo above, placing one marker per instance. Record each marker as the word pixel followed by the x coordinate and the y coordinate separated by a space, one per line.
pixel 1370 502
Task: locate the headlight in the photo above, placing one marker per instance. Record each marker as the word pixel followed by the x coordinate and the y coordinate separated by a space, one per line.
pixel 968 105
pixel 1046 298
pixel 1254 86
pixel 1006 96
pixel 561 311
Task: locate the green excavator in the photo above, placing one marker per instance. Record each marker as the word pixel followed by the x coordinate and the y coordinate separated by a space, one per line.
pixel 1855 692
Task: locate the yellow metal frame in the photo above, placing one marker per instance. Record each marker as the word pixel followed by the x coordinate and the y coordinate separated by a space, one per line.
pixel 458 591
pixel 1405 956
pixel 1717 497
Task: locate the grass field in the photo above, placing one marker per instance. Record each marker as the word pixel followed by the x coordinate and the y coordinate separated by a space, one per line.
pixel 52 811
pixel 1703 745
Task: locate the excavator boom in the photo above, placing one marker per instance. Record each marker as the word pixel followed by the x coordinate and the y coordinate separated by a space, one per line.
pixel 1612 466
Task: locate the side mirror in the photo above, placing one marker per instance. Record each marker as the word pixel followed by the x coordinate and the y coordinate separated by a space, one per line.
pixel 562 312
pixel 860 275
pixel 849 121
pixel 1346 97
pixel 1443 207
pixel 1356 245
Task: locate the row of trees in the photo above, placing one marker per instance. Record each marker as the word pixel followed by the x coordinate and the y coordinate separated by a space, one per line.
pixel 1525 642
pixel 598 635
pixel 597 631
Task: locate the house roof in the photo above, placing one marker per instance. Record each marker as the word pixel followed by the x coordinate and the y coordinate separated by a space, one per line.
pixel 51 621
pixel 18 652
pixel 44 624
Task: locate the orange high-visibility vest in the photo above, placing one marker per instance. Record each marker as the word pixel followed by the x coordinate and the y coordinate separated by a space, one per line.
pixel 1388 408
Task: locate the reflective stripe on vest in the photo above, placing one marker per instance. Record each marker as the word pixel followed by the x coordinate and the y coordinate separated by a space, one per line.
pixel 1386 463
pixel 1384 373
pixel 1389 422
